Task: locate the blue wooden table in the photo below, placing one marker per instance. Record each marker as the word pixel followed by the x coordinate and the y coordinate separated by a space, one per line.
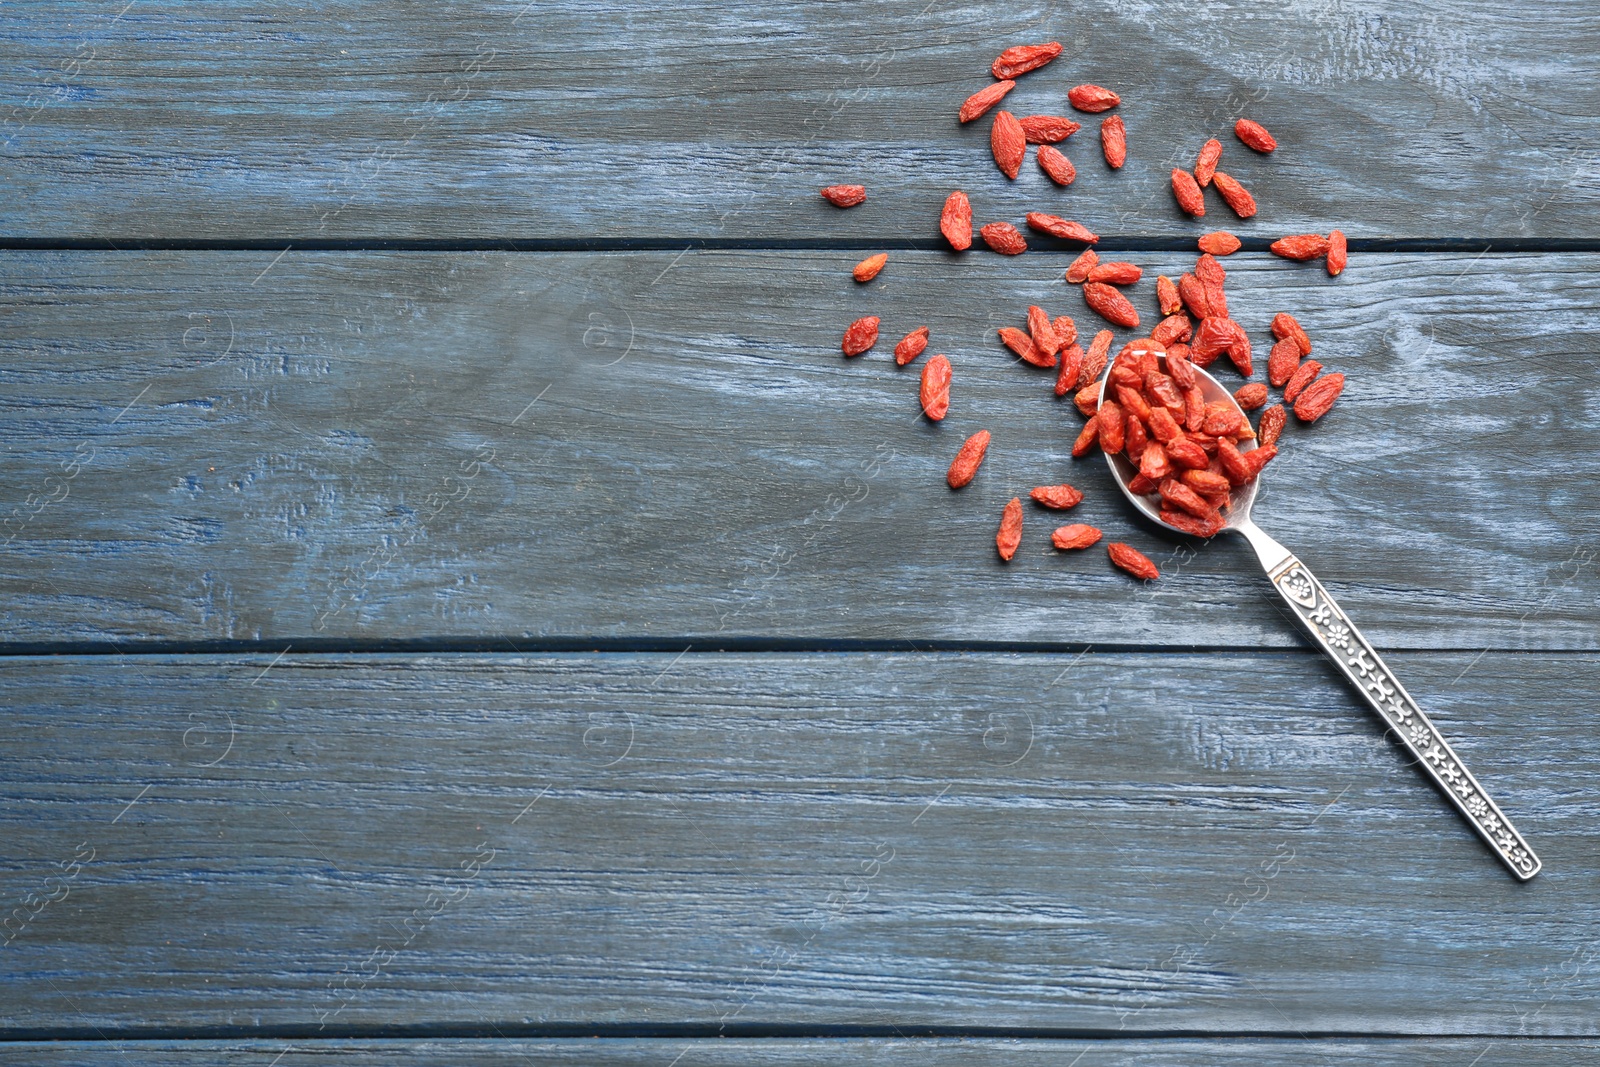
pixel 460 607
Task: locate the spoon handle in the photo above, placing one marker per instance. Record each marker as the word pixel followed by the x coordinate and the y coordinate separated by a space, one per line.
pixel 1344 644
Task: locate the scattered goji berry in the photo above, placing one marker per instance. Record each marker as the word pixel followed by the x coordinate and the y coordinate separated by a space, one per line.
pixel 1172 329
pixel 845 195
pixel 911 346
pixel 1115 273
pixel 1283 361
pixel 1042 332
pixel 1236 195
pixel 1092 98
pixel 1022 345
pixel 1251 396
pixel 1318 397
pixel 1285 326
pixel 1219 243
pixel 1010 535
pixel 1078 270
pixel 955 222
pixel 1067 538
pixel 1007 142
pixel 1087 437
pixel 1114 141
pixel 1022 58
pixel 1254 135
pixel 1272 423
pixel 1056 226
pixel 1338 254
pixel 1167 295
pixel 981 101
pixel 968 458
pixel 860 335
pixel 1057 167
pixel 1094 361
pixel 1302 377
pixel 1071 366
pixel 1187 192
pixel 935 393
pixel 1004 238
pixel 1206 165
pixel 868 268
pixel 1132 560
pixel 1193 293
pixel 1057 497
pixel 1301 246
pixel 1066 330
pixel 1110 305
pixel 1048 129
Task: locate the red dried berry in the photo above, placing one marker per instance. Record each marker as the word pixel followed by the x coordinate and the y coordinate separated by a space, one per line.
pixel 1167 295
pixel 1251 396
pixel 981 101
pixel 1086 437
pixel 1206 165
pixel 1111 427
pixel 935 393
pixel 860 335
pixel 1237 196
pixel 955 222
pixel 1187 192
pixel 1092 98
pixel 1285 326
pixel 1067 538
pixel 1056 226
pixel 1303 377
pixel 1132 560
pixel 1318 397
pixel 1283 361
pixel 1057 497
pixel 1066 329
pixel 1338 255
pixel 868 268
pixel 1071 367
pixel 1008 143
pixel 1271 427
pixel 845 195
pixel 1078 270
pixel 1003 238
pixel 1193 293
pixel 1010 535
pixel 970 456
pixel 1172 329
pixel 911 346
pixel 1254 135
pixel 1094 361
pixel 1041 331
pixel 1187 523
pixel 1022 58
pixel 1115 273
pixel 1110 305
pixel 1048 129
pixel 1114 141
pixel 1219 243
pixel 1300 246
pixel 1056 166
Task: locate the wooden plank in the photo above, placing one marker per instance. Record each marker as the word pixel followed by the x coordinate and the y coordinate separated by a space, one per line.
pixel 780 1052
pixel 657 446
pixel 1126 843
pixel 581 121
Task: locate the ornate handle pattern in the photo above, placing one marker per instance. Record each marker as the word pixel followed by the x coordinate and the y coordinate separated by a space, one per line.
pixel 1356 658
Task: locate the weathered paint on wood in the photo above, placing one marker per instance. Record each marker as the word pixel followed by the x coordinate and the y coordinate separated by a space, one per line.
pixel 370 446
pixel 780 1052
pixel 598 120
pixel 1218 843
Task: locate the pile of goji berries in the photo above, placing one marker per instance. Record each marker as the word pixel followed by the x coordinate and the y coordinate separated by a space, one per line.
pixel 1188 455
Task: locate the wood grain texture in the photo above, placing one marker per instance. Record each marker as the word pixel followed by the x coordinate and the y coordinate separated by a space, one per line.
pixel 1522 1052
pixel 601 120
pixel 1218 843
pixel 369 446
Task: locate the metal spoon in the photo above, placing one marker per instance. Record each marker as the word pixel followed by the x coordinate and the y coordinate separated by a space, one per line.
pixel 1338 637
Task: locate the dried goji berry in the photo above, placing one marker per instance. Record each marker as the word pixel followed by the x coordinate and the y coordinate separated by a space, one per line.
pixel 1132 560
pixel 1078 270
pixel 868 268
pixel 1251 396
pixel 1206 165
pixel 845 195
pixel 981 101
pixel 1115 273
pixel 1232 462
pixel 1058 497
pixel 1092 98
pixel 1187 523
pixel 1114 141
pixel 1167 295
pixel 1301 378
pixel 1008 143
pixel 1111 427
pixel 1071 365
pixel 1184 498
pixel 1236 195
pixel 1223 420
pixel 1022 58
pixel 911 346
pixel 1087 399
pixel 1087 437
pixel 1094 361
pixel 1110 305
pixel 935 392
pixel 1179 367
pixel 1066 330
pixel 1048 129
pixel 1056 226
pixel 1193 293
pixel 1301 246
pixel 1010 535
pixel 1254 135
pixel 860 335
pixel 968 458
pixel 1022 345
pixel 1187 192
pixel 1172 329
pixel 1318 397
pixel 1285 326
pixel 1042 332
pixel 1133 402
pixel 1338 254
pixel 1055 165
pixel 1185 452
pixel 1219 243
pixel 1004 238
pixel 1206 482
pixel 1067 538
pixel 955 222
pixel 1257 458
pixel 1283 361
pixel 1135 438
pixel 1272 423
